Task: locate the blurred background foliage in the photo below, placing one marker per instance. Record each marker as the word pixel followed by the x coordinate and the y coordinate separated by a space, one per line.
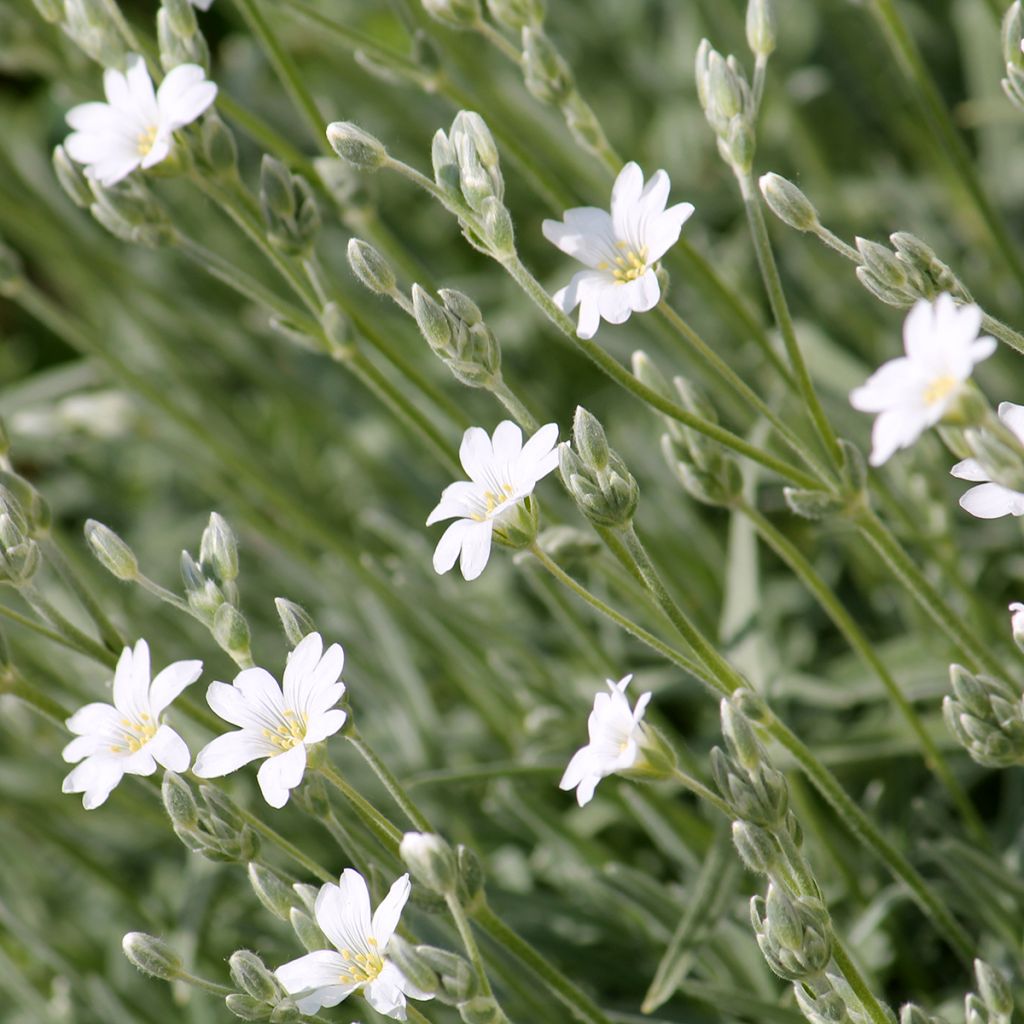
pixel 173 397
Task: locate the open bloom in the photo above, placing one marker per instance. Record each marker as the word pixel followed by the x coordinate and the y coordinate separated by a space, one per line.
pixel 502 472
pixel 127 736
pixel 619 248
pixel 914 392
pixel 135 127
pixel 616 733
pixel 277 724
pixel 325 977
pixel 991 500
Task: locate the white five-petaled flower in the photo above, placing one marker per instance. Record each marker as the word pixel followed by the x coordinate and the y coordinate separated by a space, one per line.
pixel 135 127
pixel 502 472
pixel 619 248
pixel 325 977
pixel 616 732
pixel 127 736
pixel 990 500
pixel 277 724
pixel 914 392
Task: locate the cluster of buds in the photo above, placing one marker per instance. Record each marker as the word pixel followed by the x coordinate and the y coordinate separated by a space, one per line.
pixel 260 995
pixel 993 1003
pixel 290 213
pixel 986 716
pixel 457 334
pixel 1013 39
pixel 793 933
pixel 852 494
pixel 907 272
pixel 217 830
pixel 468 171
pixel 89 25
pixel 595 475
pixel 24 517
pixel 450 873
pixel 728 105
pixel 460 14
pixel 178 36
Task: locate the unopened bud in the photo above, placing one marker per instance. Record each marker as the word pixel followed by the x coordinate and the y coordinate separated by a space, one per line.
pixel 355 146
pixel 276 189
pixel 761 29
pixel 546 74
pixel 246 1008
pixel 231 631
pixel 462 306
pixel 370 267
pixel 455 13
pixel 883 264
pixel 307 931
pixel 179 802
pixel 787 202
pixel 458 981
pixel 756 846
pixel 813 504
pixel 433 323
pixel 295 620
pixel 71 179
pixel 993 989
pixel 250 974
pixel 152 956
pixel 471 874
pixel 271 890
pixel 517 14
pixel 50 11
pixel 110 551
pixel 430 859
pixel 219 149
pixel 412 965
pixel 497 226
pixel 589 440
pixel 481 1010
pixel 218 549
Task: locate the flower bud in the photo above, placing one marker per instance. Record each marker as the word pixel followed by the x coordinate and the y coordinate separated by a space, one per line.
pixel 883 292
pixel 276 190
pixel 286 1012
pixel 246 1008
pixel 218 549
pixel 1013 34
pixel 471 874
pixel 231 631
pixel 481 1010
pixel 370 267
pixel 589 440
pixel 821 1007
pixel 110 551
pixel 756 846
pixel 498 230
pixel 761 29
pixel 793 934
pixel 883 264
pixel 430 860
pixel 219 149
pixel 176 48
pixel 295 620
pixel 516 15
pixel 152 956
pixel 307 931
pixel 985 716
pixel 355 146
pixel 412 965
pixel 994 990
pixel 179 802
pixel 445 164
pixel 271 890
pixel 250 974
pixel 740 737
pixel 454 13
pixel 433 323
pixel 71 179
pixel 546 74
pixel 458 981
pixel 646 371
pixel 788 203
pixel 813 504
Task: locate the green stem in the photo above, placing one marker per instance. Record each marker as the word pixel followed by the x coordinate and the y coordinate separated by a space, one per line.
pixel 518 411
pixel 465 930
pixel 499 42
pixel 202 983
pixel 386 833
pixel 860 644
pixel 929 599
pixel 14 684
pixel 391 784
pixel 698 788
pixel 110 634
pixel 290 849
pixel 783 319
pixel 861 990
pixel 75 637
pixel 24 620
pixel 559 985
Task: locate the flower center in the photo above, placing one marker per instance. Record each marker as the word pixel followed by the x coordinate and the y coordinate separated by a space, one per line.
pixel 630 265
pixel 939 388
pixel 146 139
pixel 493 502
pixel 289 732
pixel 361 968
pixel 134 735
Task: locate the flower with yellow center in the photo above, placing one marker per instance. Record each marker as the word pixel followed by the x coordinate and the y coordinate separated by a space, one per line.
pixel 127 737
pixel 135 127
pixel 277 723
pixel 502 473
pixel 620 249
pixel 991 500
pixel 916 391
pixel 359 961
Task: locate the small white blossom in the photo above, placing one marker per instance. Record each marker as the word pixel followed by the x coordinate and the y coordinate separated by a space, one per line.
pixel 135 127
pixel 1017 622
pixel 914 392
pixel 619 248
pixel 991 500
pixel 616 732
pixel 502 472
pixel 325 977
pixel 127 737
pixel 277 724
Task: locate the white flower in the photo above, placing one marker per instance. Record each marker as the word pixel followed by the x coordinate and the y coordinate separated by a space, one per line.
pixel 325 978
pixel 126 736
pixel 914 392
pixel 203 5
pixel 991 500
pixel 134 128
pixel 620 248
pixel 616 732
pixel 275 724
pixel 1017 622
pixel 502 472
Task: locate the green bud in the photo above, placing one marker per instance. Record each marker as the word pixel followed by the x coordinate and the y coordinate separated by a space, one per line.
pixel 646 371
pixel 412 965
pixel 546 74
pixel 929 276
pixel 462 306
pixel 286 1012
pixel 338 329
pixel 110 551
pixel 761 28
pixel 975 1011
pixel 295 620
pixel 152 956
pixel 756 846
pixel 247 1008
pixel 181 17
pixel 17 493
pixel 589 440
pixel 481 1010
pixel 220 152
pixel 883 264
pixel 179 802
pixel 471 875
pixel 445 164
pixel 224 815
pixel 458 981
pixel 454 13
pixel 793 933
pixel 434 324
pixel 821 1008
pixel 71 179
pixel 356 146
pixel 1002 462
pixel 723 91
pixel 307 931
pixel 1013 32
pixel 308 894
pixel 497 226
pixel 788 203
pixel 218 549
pixel 271 890
pixel 430 860
pixel 231 631
pixel 740 737
pixel 370 267
pixel 883 292
pixel 993 989
pixel 516 15
pixel 471 126
pixel 178 49
pixel 607 497
pixel 813 504
pixel 250 974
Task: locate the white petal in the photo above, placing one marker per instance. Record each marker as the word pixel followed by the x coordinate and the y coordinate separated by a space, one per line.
pixel 94 718
pixel 458 500
pixel 893 431
pixel 476 454
pixel 315 974
pixel 586 235
pixel 158 151
pixel 227 702
pixel 280 774
pixel 507 441
pixel 590 315
pixel 888 387
pixel 229 752
pixel 110 171
pixel 94 119
pixel 625 195
pixel 324 725
pixel 1013 416
pixel 389 911
pixel 183 95
pixel 990 501
pixel 538 457
pixel 169 749
pixel 450 544
pixel 131 692
pixel 969 469
pixel 385 994
pixel 343 912
pixel 140 762
pixel 85 746
pixel 95 777
pixel 581 765
pixel 662 233
pixel 170 682
pixel 613 303
pixel 919 329
pixel 476 549
pixel 643 293
pixel 300 672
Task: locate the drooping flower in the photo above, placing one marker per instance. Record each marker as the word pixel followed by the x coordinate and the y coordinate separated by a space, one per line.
pixel 912 393
pixel 991 500
pixel 619 248
pixel 502 472
pixel 325 977
pixel 135 127
pixel 616 735
pixel 127 737
pixel 277 724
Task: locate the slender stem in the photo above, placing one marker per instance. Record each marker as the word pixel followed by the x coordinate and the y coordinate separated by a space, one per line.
pixel 864 828
pixel 391 784
pixel 76 638
pixel 780 310
pixel 847 625
pixel 757 88
pixel 930 600
pixel 498 41
pixel 206 986
pixel 15 685
pixel 290 849
pixel 504 394
pixel 465 930
pixel 24 620
pixel 559 985
pixel 868 1000
pixel 415 1015
pixel 386 833
pixel 833 241
pixel 699 789
pixel 110 634
pixel 1003 332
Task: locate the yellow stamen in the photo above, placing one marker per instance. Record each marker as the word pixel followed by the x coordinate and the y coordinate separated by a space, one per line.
pixel 144 143
pixel 631 265
pixel 289 733
pixel 939 388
